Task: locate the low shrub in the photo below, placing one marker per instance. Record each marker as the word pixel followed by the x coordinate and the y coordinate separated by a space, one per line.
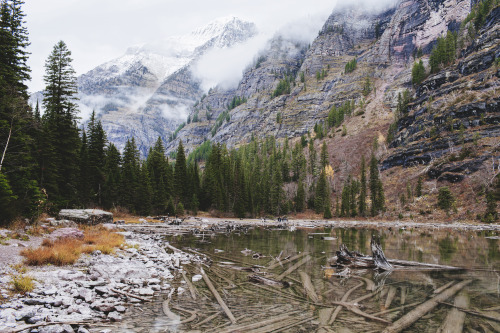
pixel 66 251
pixel 22 283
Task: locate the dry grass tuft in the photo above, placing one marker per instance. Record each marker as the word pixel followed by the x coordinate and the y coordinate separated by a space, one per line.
pixel 66 251
pixel 22 283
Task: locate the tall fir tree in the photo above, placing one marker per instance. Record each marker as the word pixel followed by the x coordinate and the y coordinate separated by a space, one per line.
pixel 96 156
pixel 376 188
pixel 130 175
pixel 60 128
pixel 324 156
pixel 300 198
pixel 84 177
pixel 16 120
pixel 112 177
pixel 362 194
pixel 181 176
pixel 157 168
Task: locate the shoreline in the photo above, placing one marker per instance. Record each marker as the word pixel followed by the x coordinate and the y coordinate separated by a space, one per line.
pixel 99 289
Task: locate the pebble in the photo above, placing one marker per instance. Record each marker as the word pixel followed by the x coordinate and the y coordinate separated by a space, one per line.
pixel 84 291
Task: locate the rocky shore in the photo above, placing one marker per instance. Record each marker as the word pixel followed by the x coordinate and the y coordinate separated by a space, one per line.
pixel 98 288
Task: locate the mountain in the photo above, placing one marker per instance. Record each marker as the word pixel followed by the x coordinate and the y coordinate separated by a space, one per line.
pixel 454 110
pixel 147 92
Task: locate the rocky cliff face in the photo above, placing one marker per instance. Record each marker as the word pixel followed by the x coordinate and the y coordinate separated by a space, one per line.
pixel 455 113
pixel 384 43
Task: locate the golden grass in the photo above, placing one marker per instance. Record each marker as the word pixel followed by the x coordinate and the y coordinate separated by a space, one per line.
pixel 22 283
pixel 66 251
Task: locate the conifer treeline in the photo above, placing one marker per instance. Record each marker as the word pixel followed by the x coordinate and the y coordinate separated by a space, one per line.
pixel 47 162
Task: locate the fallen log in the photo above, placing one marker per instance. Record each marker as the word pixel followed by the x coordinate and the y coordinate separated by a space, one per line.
pixel 308 287
pixel 268 282
pixel 424 308
pixel 192 289
pixel 295 257
pixel 472 312
pixel 454 321
pixel 247 327
pixel 29 327
pixel 390 296
pixel 293 268
pixel 343 299
pixel 217 296
pixel 353 259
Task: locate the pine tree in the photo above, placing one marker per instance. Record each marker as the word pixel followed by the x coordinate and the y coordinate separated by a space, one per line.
pixel 418 189
pixel 180 176
pixel 130 175
pixel 60 129
pixel 142 202
pixel 16 119
pixel 324 156
pixel 170 207
pixel 445 198
pixel 362 194
pixel 6 199
pixel 491 213
pixel 84 178
pixel 322 194
pixel 112 177
pixel 96 152
pixel 300 198
pixel 376 188
pixel 157 168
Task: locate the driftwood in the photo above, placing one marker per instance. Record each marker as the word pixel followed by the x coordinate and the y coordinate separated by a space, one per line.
pixel 424 308
pixel 217 296
pixel 295 257
pixel 268 282
pixel 29 327
pixel 294 267
pixel 454 321
pixel 356 260
pixel 129 295
pixel 378 256
pixel 390 296
pixel 192 289
pixel 471 312
pixel 395 309
pixel 447 285
pixel 344 299
pixel 308 287
pixel 210 318
pixel 247 327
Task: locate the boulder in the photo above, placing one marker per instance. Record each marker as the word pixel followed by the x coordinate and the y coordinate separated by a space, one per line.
pixel 86 216
pixel 67 233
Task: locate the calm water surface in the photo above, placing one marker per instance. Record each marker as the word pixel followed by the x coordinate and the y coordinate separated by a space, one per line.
pixel 250 303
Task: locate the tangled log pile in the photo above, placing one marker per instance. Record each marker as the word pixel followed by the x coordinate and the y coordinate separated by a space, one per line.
pixel 355 260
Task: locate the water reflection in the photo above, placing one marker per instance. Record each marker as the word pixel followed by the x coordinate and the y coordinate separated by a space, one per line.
pixel 395 294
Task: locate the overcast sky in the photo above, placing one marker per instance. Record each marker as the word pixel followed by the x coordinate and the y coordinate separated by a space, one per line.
pixel 99 30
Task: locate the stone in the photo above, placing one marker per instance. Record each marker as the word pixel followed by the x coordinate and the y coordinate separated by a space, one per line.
pixel 34 319
pixel 110 226
pixel 146 292
pixel 102 290
pixel 82 329
pixel 34 301
pixel 51 290
pixel 196 278
pixel 86 216
pixel 67 233
pixel 153 281
pixel 114 316
pixel 63 223
pixel 86 295
pixel 56 329
pixel 120 308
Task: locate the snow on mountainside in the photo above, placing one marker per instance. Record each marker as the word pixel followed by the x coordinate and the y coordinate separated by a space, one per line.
pixel 146 92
